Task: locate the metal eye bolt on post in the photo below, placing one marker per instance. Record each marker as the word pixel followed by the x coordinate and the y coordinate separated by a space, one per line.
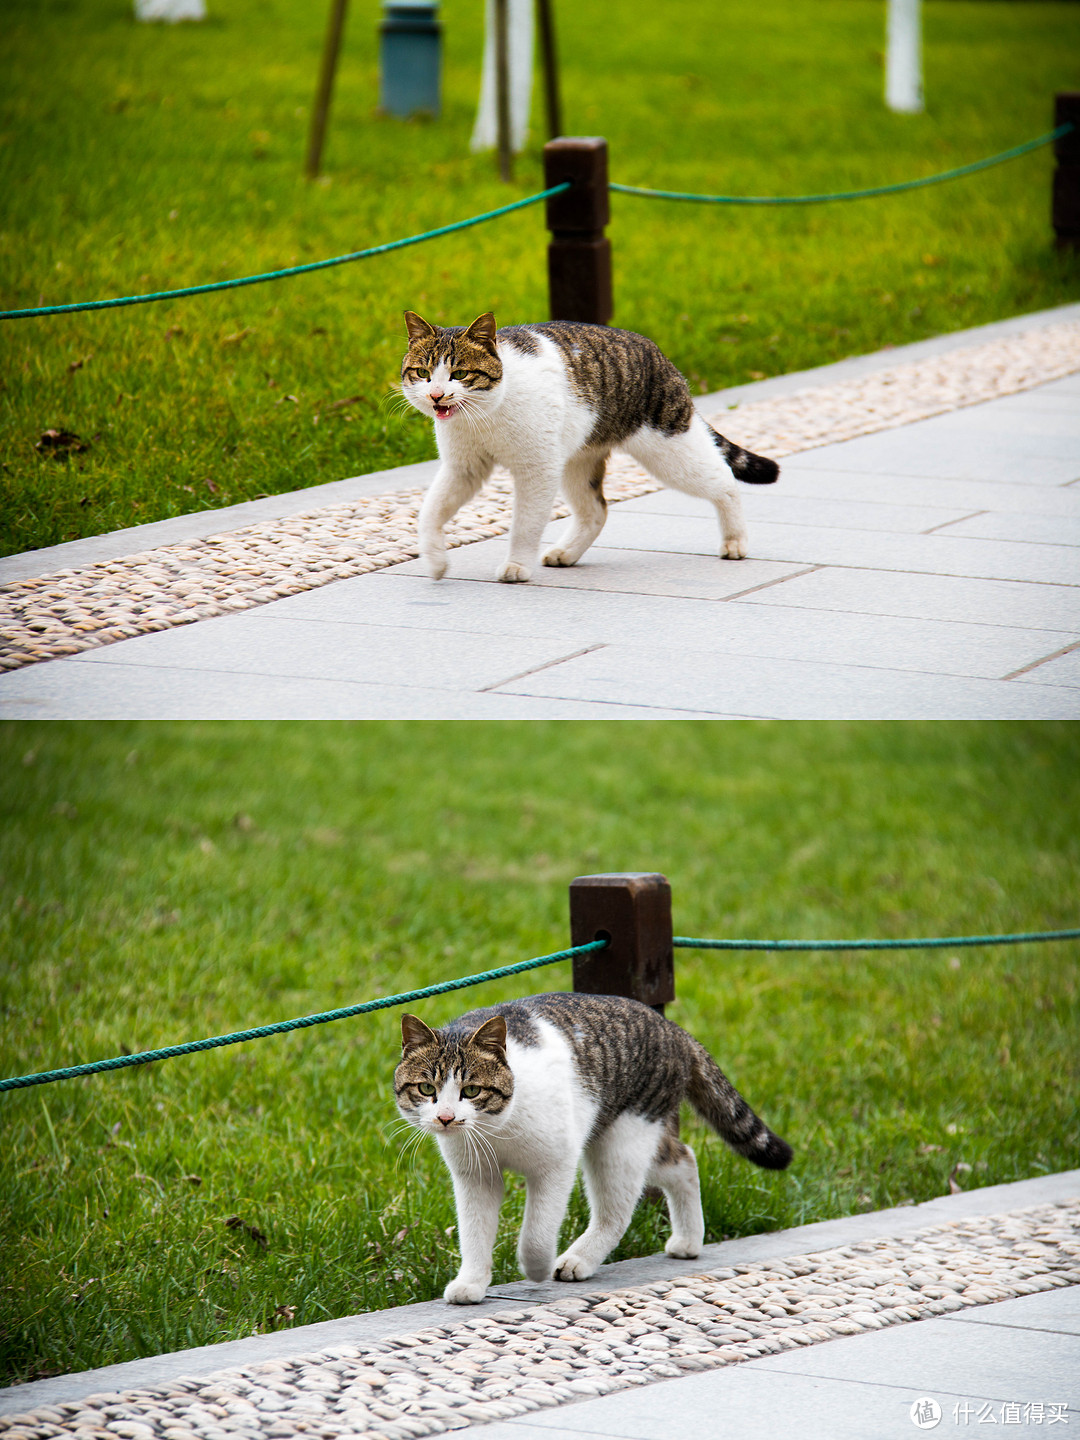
pixel 633 911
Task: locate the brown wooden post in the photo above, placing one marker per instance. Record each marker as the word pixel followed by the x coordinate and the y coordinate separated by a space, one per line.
pixel 579 254
pixel 502 93
pixel 634 911
pixel 1066 211
pixel 549 62
pixel 321 110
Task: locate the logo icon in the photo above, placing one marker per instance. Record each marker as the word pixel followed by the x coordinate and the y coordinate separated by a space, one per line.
pixel 926 1413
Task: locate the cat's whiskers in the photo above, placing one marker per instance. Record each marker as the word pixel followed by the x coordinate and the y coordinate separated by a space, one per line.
pixel 479 1150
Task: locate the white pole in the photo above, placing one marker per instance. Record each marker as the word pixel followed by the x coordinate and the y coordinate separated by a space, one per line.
pixel 903 64
pixel 520 27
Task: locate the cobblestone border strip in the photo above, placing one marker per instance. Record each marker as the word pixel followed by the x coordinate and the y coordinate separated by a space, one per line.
pixel 446 1377
pixel 75 610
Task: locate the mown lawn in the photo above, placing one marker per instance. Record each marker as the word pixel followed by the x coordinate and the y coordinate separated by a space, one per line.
pixel 164 882
pixel 135 158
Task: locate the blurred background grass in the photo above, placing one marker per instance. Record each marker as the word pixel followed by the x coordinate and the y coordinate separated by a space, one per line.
pixel 162 882
pixel 140 157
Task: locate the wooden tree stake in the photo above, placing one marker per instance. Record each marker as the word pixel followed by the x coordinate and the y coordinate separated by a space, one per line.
pixel 550 65
pixel 321 111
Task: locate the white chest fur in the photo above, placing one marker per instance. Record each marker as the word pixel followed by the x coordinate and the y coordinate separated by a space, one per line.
pixel 535 419
pixel 551 1116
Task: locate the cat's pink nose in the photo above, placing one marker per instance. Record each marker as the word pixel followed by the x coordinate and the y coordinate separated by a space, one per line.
pixel 436 394
pixel 445 1117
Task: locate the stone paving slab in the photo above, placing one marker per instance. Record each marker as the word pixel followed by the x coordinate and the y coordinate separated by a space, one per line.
pixel 1029 529
pixel 790 689
pixel 1064 670
pixel 947 597
pixel 940 554
pixel 147 692
pixel 624 1331
pixel 784 508
pixel 923 645
pixel 621 571
pixel 1058 1312
pixel 966 495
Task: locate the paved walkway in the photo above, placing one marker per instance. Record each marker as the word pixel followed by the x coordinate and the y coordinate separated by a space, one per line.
pixel 926 571
pixel 751 1341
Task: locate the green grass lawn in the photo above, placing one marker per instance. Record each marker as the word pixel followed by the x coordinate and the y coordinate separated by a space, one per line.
pixel 135 158
pixel 164 882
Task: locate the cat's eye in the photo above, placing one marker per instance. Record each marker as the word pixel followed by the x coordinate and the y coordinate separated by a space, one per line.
pixel 470 1092
pixel 460 374
pixel 422 374
pixel 426 1089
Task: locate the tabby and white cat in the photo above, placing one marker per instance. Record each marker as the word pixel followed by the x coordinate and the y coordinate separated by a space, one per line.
pixel 542 1085
pixel 550 402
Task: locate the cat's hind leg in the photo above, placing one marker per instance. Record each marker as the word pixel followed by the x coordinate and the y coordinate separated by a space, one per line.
pixel 458 480
pixel 583 488
pixel 674 1171
pixel 691 462
pixel 614 1167
pixel 546 1197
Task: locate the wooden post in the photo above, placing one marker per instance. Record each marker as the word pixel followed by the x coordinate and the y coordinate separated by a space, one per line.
pixel 579 254
pixel 1066 195
pixel 502 92
pixel 634 911
pixel 319 114
pixel 550 65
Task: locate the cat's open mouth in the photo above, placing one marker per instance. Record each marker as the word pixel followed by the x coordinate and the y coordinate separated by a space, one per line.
pixel 445 412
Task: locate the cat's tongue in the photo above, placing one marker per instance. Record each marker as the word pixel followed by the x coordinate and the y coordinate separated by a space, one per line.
pixel 444 412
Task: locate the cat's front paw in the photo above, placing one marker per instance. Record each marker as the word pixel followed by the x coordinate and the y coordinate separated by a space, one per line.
pixel 512 573
pixel 679 1247
pixel 573 1267
pixel 464 1292
pixel 733 547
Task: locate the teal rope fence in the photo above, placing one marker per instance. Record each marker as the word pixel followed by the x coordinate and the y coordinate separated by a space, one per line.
pixel 685 943
pixel 169 1052
pixel 849 194
pixel 292 270
pixel 145 1057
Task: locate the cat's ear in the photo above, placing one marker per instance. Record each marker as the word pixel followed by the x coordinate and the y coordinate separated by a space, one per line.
pixel 491 1036
pixel 414 1032
pixel 418 329
pixel 482 331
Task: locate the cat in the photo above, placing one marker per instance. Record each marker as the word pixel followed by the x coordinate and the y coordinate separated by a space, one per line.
pixel 541 1085
pixel 550 402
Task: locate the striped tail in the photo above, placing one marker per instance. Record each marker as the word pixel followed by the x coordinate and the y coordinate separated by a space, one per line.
pixel 744 464
pixel 719 1104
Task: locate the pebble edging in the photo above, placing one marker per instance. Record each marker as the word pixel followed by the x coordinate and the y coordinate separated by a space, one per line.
pixel 485 1368
pixel 70 611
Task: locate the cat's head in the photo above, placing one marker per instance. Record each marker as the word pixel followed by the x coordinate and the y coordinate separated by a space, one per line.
pixel 451 372
pixel 446 1083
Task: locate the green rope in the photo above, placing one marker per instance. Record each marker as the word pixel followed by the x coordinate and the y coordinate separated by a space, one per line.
pixel 848 194
pixel 293 270
pixel 119 1062
pixel 683 942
